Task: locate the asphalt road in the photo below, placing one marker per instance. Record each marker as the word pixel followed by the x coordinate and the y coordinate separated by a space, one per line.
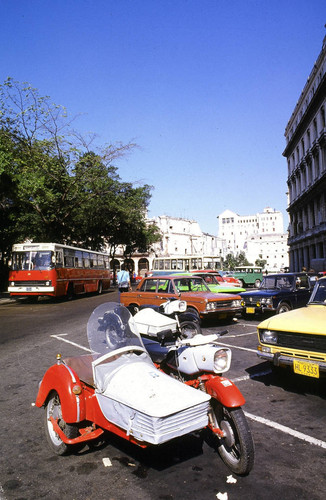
pixel 287 415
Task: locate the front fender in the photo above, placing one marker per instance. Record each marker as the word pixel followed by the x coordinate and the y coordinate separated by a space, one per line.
pixel 225 391
pixel 62 379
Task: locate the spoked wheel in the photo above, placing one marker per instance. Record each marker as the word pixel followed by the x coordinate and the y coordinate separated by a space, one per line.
pixel 237 448
pixel 53 409
pixel 189 329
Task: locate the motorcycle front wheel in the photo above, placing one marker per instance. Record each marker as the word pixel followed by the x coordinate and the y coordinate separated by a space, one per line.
pixel 237 447
pixel 189 329
pixel 53 409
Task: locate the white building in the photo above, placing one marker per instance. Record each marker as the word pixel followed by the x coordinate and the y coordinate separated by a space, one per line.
pixel 259 236
pixel 183 237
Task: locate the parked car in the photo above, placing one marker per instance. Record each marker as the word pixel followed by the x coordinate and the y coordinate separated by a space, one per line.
pixel 278 293
pixel 229 278
pixel 297 338
pixel 248 275
pixel 225 280
pixel 216 285
pixel 200 300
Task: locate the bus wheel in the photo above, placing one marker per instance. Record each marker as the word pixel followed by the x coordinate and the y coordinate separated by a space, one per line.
pixel 100 287
pixel 70 291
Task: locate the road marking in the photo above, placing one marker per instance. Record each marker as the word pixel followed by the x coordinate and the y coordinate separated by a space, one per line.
pixel 287 430
pixel 242 335
pixel 236 347
pixel 254 375
pixel 58 337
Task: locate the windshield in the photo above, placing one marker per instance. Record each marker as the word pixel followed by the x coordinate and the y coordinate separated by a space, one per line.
pixel 210 279
pixel 111 327
pixel 30 260
pixel 319 293
pixel 191 285
pixel 277 283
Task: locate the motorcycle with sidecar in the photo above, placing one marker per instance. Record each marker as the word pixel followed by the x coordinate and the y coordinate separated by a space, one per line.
pixel 118 388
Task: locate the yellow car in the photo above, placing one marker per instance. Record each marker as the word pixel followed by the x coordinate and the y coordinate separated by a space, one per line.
pixel 297 338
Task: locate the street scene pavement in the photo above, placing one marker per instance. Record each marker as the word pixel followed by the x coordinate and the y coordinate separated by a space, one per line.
pixel 285 413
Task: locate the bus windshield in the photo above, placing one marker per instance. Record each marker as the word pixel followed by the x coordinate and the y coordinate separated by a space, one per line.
pixel 27 260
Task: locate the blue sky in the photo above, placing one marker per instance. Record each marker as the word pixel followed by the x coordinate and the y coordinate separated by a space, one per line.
pixel 204 87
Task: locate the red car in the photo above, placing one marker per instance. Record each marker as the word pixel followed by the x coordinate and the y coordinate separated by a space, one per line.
pixel 220 276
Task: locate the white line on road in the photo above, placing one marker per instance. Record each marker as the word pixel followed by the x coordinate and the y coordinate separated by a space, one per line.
pixel 236 347
pixel 287 430
pixel 242 334
pixel 58 337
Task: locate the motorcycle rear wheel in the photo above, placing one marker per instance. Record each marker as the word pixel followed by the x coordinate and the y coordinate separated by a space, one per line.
pixel 189 329
pixel 237 447
pixel 53 409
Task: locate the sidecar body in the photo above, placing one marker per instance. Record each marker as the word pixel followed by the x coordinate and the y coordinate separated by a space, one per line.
pixel 117 388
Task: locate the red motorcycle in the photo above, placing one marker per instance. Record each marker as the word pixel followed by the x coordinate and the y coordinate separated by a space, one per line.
pixel 118 389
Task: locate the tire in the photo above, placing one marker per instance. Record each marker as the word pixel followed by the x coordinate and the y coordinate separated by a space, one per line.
pixel 257 283
pixel 237 448
pixel 282 308
pixel 189 329
pixel 133 308
pixel 70 291
pixel 100 287
pixel 242 283
pixel 194 311
pixel 53 408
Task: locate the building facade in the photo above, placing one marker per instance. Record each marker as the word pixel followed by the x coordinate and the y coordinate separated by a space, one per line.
pixel 259 236
pixel 306 160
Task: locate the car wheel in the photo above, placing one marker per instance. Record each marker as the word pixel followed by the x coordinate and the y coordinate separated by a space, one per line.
pixel 189 329
pixel 257 283
pixel 100 287
pixel 242 283
pixel 282 308
pixel 194 311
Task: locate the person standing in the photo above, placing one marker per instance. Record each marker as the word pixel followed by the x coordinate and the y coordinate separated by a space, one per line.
pixel 123 279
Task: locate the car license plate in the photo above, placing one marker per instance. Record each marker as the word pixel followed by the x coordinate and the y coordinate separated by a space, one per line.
pixel 250 310
pixel 305 368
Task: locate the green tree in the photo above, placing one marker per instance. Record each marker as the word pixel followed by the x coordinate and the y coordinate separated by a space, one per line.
pixel 54 186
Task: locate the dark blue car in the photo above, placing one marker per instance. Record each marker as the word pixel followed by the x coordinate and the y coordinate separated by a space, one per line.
pixel 277 293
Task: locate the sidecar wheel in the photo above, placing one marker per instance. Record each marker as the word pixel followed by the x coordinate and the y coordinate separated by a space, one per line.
pixel 189 329
pixel 53 409
pixel 237 448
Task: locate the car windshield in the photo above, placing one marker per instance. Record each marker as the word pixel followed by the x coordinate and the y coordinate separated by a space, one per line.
pixel 210 279
pixel 194 284
pixel 319 293
pixel 111 327
pixel 277 283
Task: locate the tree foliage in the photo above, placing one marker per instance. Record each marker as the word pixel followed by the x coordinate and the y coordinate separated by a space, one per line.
pixel 231 261
pixel 54 186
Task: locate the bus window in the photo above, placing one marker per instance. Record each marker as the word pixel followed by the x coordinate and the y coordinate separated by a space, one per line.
pixel 68 257
pixel 86 259
pixel 92 260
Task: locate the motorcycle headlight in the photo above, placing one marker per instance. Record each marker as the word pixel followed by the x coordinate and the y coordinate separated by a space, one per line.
pixel 182 306
pixel 222 360
pixel 268 337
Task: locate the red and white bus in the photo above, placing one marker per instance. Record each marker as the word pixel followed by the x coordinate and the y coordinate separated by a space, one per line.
pixel 55 270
